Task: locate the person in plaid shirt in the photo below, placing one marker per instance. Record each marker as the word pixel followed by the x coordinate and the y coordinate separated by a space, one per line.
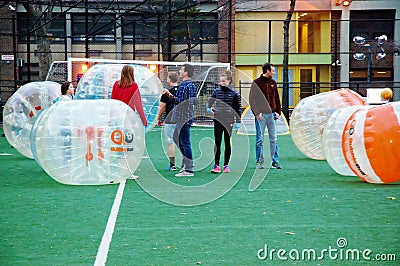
pixel 183 114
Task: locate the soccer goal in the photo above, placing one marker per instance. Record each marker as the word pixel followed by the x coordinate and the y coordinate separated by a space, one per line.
pixel 206 77
pixel 58 71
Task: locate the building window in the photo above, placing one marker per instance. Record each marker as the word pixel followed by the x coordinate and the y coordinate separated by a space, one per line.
pixel 145 30
pixel 140 30
pixel 101 28
pixel 204 29
pixel 55 28
pixel 369 25
pixel 312 29
pixel 56 32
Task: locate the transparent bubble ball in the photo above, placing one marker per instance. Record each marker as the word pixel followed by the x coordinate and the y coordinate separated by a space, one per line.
pixel 23 108
pixel 310 115
pixel 98 80
pixel 89 142
pixel 332 139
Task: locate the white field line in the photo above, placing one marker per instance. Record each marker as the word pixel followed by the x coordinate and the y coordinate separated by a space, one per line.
pixel 102 253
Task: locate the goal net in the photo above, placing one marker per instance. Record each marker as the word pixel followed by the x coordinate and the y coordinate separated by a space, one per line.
pixel 206 78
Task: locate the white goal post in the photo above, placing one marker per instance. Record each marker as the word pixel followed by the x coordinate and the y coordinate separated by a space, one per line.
pixel 206 75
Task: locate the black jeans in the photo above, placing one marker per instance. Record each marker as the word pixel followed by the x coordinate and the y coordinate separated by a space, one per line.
pixel 226 130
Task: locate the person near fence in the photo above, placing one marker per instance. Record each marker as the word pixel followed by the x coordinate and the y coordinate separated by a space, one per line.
pixel 183 114
pixel 127 91
pixel 166 105
pixel 266 107
pixel 225 105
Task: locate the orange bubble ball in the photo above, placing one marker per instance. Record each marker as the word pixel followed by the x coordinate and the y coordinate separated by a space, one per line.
pixel 370 143
pixel 386 94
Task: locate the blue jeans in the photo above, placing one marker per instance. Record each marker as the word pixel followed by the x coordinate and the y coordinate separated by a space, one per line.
pixel 182 140
pixel 269 122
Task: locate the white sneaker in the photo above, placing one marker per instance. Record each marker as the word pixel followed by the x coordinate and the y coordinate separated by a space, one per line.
pixel 184 173
pixel 134 177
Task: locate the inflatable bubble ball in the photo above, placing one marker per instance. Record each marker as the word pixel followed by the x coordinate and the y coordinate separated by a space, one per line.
pixel 23 108
pixel 332 138
pixel 310 115
pixel 89 142
pixel 371 140
pixel 98 81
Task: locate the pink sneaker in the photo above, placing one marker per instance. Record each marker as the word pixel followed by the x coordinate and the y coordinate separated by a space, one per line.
pixel 226 169
pixel 216 169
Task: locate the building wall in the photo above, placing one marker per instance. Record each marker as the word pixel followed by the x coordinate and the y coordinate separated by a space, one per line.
pixel 252 51
pixel 345 33
pixel 283 5
pixel 226 41
pixel 7 81
pixel 259 38
pixel 253 40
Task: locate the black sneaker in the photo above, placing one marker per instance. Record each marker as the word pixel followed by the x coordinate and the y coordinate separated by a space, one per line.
pixel 276 165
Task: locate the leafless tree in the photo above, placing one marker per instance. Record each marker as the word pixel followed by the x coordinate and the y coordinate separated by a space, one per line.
pixel 285 89
pixel 176 18
pixel 40 13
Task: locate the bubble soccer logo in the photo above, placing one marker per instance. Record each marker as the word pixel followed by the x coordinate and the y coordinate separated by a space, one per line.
pixel 121 138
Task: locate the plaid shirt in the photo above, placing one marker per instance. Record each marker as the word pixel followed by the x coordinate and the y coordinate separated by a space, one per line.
pixel 185 100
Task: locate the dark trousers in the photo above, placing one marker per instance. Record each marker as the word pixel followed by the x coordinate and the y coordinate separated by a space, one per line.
pixel 182 140
pixel 219 130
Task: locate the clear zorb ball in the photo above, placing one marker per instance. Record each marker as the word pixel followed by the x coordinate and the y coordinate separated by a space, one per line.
pixel 310 115
pixel 98 81
pixel 23 108
pixel 89 142
pixel 332 138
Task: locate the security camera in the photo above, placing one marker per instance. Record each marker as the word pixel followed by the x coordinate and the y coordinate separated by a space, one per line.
pixel 359 56
pixel 359 40
pixel 11 7
pixel 380 56
pixel 381 39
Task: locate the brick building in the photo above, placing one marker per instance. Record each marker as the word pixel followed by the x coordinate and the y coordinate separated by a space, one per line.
pixel 243 33
pixel 7 48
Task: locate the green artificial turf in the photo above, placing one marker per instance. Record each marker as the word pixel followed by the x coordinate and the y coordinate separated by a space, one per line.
pixel 306 205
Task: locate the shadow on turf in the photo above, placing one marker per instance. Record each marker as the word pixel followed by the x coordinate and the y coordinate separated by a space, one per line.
pixel 358 181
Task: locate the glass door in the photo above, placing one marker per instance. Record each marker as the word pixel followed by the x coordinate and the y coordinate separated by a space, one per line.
pixel 307 82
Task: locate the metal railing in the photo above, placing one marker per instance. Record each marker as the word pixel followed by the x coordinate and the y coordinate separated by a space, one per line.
pixel 305 89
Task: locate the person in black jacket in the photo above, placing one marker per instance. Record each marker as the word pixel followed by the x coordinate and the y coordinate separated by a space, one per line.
pixel 266 107
pixel 225 104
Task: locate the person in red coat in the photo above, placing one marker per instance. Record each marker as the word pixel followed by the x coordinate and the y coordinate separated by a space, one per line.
pixel 127 91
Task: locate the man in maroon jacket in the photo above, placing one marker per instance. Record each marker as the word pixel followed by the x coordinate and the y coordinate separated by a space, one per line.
pixel 266 107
